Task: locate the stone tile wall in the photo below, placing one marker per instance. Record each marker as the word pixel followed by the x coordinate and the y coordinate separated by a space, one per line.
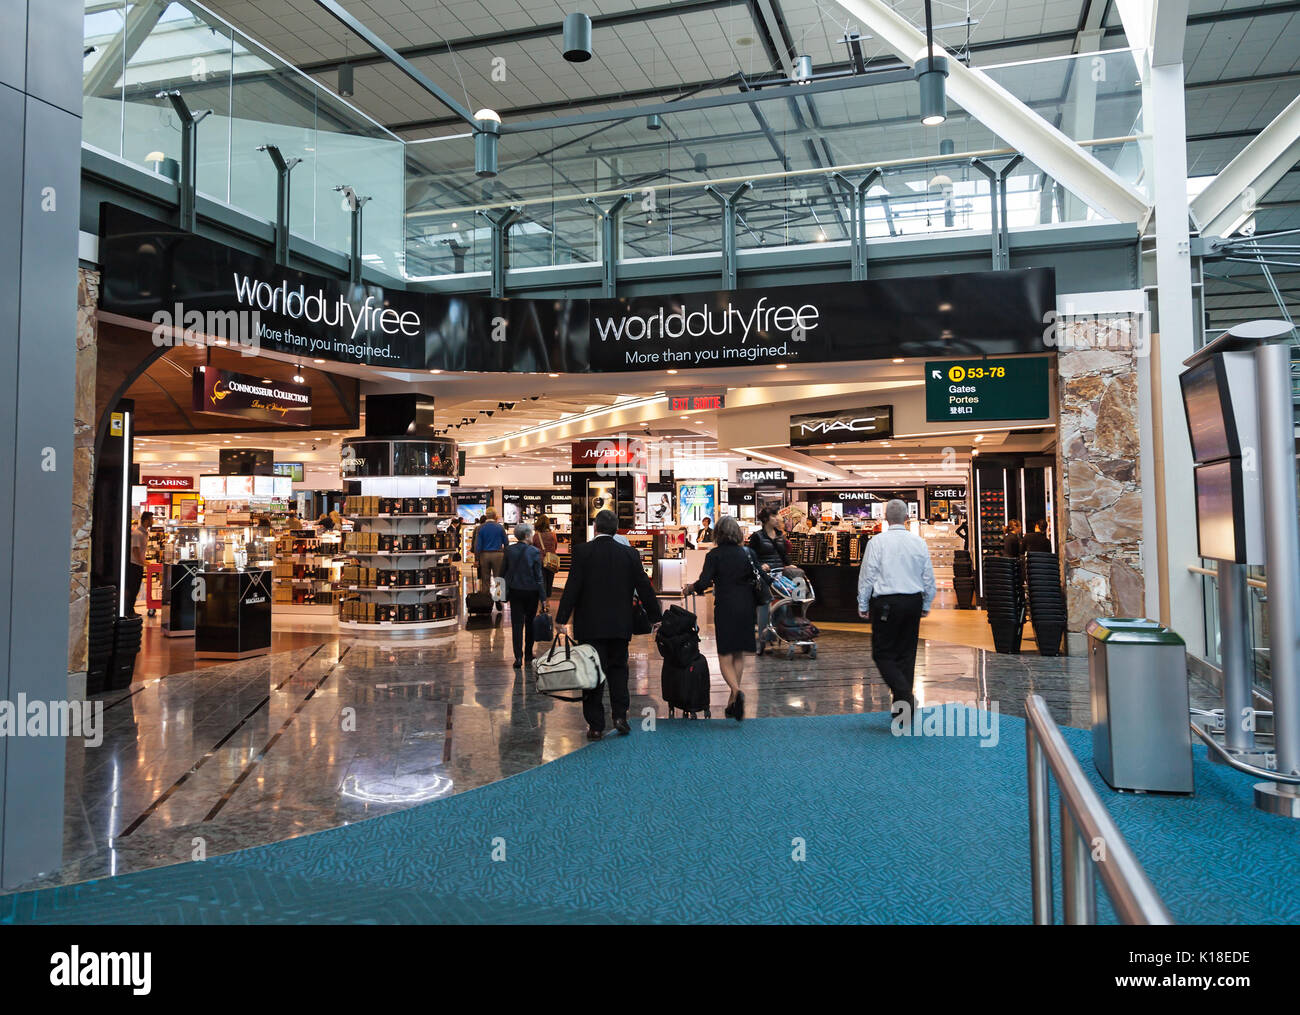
pixel 1099 466
pixel 83 430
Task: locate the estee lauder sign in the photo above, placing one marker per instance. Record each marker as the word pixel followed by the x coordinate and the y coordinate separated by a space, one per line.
pixel 226 393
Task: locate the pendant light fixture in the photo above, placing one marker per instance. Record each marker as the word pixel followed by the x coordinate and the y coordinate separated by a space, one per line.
pixel 486 142
pixel 701 163
pixel 932 74
pixel 297 374
pixel 802 71
pixel 653 122
pixel 347 86
pixel 577 38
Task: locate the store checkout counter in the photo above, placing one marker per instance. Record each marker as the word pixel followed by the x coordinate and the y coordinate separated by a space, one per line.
pixel 233 613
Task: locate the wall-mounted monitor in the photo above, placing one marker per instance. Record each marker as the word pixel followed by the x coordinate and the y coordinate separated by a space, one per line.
pixel 1229 513
pixel 1220 400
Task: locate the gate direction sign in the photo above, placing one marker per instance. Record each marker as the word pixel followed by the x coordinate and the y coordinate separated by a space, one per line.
pixel 978 390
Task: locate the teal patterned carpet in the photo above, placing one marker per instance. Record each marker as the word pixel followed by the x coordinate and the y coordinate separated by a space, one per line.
pixel 700 822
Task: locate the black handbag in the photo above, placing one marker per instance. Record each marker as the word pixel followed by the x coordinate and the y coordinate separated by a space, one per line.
pixel 543 626
pixel 762 593
pixel 641 623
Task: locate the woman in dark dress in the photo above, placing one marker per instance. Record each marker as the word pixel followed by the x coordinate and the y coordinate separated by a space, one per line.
pixel 729 569
pixel 767 544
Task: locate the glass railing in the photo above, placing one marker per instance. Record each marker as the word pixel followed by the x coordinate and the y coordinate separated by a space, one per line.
pixel 427 216
pixel 143 48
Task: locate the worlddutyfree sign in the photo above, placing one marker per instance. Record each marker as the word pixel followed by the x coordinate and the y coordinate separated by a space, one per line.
pixel 978 390
pixel 189 287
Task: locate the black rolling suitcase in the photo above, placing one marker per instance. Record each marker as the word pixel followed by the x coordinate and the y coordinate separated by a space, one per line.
pixel 685 677
pixel 478 604
pixel 686 688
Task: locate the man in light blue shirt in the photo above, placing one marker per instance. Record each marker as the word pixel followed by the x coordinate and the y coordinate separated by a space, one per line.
pixel 895 590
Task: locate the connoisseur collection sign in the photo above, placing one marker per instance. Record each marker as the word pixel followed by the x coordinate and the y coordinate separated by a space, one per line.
pixel 226 393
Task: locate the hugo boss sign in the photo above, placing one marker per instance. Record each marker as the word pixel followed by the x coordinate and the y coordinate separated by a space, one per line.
pixel 150 267
pixel 226 393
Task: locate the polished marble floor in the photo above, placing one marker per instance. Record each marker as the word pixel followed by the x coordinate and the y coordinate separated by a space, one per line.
pixel 329 730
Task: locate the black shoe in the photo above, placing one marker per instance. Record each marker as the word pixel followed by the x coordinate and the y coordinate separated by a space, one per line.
pixel 623 728
pixel 519 664
pixel 738 710
pixel 730 710
pixel 594 734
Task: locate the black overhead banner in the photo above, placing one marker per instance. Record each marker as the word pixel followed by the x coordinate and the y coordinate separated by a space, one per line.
pixel 156 272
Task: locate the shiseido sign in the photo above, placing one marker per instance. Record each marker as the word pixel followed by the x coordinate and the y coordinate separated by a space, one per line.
pixel 765 477
pixel 844 426
pixel 226 393
pixel 612 454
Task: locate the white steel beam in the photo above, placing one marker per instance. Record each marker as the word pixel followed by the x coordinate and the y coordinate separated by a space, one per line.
pixel 1232 197
pixel 1008 117
pixel 1167 32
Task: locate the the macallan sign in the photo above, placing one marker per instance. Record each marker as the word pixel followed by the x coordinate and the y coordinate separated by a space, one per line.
pixel 226 393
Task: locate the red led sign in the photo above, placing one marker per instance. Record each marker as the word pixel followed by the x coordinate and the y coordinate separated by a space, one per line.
pixel 695 403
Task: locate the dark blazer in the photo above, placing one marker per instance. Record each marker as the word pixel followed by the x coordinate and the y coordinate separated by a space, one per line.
pixel 523 568
pixel 1037 542
pixel 598 592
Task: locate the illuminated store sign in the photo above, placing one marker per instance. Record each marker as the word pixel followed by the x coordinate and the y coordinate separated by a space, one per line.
pixel 765 477
pixel 167 482
pixel 843 426
pixel 226 393
pixel 696 403
pixel 152 267
pixel 611 454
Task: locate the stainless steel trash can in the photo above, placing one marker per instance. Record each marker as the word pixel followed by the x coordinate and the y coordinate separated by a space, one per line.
pixel 1141 739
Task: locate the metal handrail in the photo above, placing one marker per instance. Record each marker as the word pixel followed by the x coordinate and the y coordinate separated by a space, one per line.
pixel 1254 583
pixel 1090 839
pixel 1241 766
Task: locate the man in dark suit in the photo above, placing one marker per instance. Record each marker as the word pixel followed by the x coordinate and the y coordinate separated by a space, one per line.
pixel 598 596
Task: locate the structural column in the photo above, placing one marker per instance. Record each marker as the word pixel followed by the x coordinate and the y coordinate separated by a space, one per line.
pixel 40 179
pixel 1174 340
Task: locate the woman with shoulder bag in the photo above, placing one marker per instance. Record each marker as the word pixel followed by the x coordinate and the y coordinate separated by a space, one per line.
pixel 732 572
pixel 548 544
pixel 524 588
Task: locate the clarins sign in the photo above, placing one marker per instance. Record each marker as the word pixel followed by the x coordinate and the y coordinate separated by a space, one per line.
pixel 167 482
pixel 226 393
pixel 843 426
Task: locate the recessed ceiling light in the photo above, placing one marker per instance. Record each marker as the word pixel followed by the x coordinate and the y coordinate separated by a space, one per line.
pixel 672 371
pixel 435 371
pixel 780 366
pixel 899 359
pixel 318 361
pixel 552 375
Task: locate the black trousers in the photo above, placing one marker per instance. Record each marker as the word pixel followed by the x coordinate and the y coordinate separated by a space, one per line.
pixel 613 660
pixel 134 576
pixel 549 578
pixel 895 628
pixel 523 608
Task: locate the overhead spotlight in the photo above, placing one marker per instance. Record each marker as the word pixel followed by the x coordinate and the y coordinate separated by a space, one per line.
pixel 487 137
pixel 488 412
pixel 802 69
pixel 346 83
pixel 932 75
pixel 653 122
pixel 510 405
pixel 297 374
pixel 577 38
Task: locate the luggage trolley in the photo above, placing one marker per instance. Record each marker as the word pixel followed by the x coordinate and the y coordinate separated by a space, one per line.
pixel 792 593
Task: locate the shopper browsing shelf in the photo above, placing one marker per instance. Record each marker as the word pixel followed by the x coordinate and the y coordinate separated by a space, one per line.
pixel 729 570
pixel 598 596
pixel 1013 543
pixel 489 551
pixel 525 586
pixel 895 590
pixel 1037 541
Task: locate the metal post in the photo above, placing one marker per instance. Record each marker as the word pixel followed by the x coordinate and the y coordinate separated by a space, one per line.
pixel 730 274
pixel 1004 241
pixel 1234 646
pixel 188 216
pixel 1040 831
pixel 609 229
pixel 1078 889
pixel 355 204
pixel 1281 511
pixel 500 225
pixel 858 203
pixel 995 207
pixel 283 168
pixel 458 252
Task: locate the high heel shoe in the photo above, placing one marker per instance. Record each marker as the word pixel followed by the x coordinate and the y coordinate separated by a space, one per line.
pixel 730 710
pixel 738 707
